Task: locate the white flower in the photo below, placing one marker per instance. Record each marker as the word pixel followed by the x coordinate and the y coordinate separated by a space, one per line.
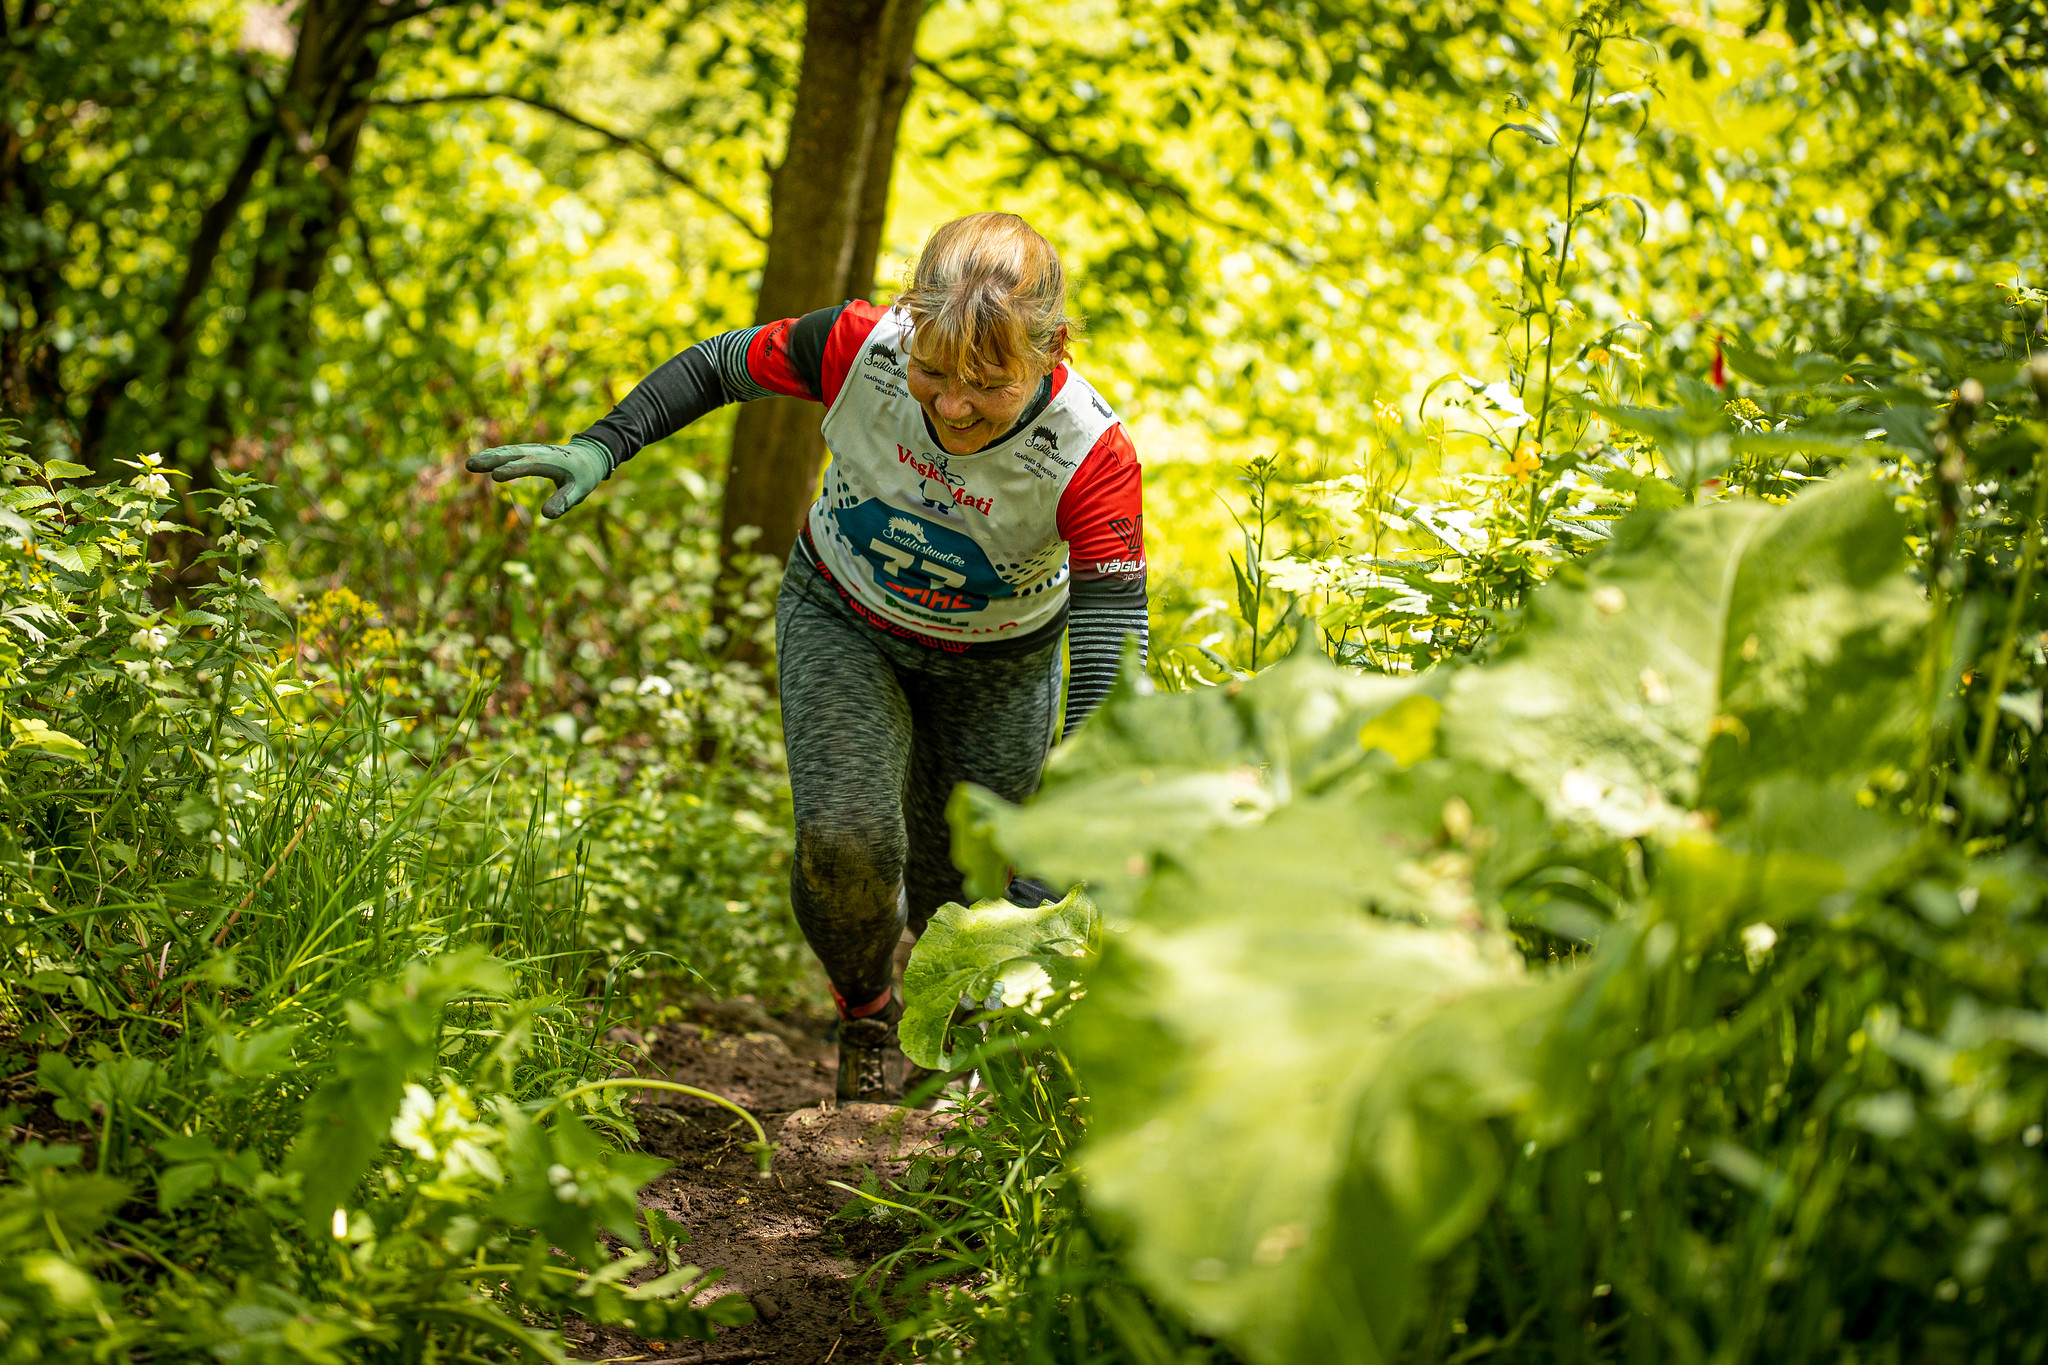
pixel 150 639
pixel 1757 942
pixel 156 485
pixel 445 1130
pixel 234 509
pixel 566 1188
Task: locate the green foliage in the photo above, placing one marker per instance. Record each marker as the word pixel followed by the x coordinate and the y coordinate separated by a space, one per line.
pixel 303 1004
pixel 998 1261
pixel 992 955
pixel 1227 1054
pixel 1733 645
pixel 1479 298
pixel 1770 1084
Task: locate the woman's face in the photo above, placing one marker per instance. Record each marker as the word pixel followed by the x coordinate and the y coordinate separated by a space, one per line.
pixel 968 415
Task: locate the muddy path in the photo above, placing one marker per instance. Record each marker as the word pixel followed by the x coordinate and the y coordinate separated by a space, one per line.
pixel 777 1238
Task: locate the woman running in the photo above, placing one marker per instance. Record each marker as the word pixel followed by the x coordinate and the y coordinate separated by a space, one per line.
pixel 982 500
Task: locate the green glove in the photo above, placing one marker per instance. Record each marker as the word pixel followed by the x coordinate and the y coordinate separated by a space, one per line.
pixel 577 469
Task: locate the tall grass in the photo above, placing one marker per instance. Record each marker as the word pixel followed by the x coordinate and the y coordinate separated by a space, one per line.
pixel 297 986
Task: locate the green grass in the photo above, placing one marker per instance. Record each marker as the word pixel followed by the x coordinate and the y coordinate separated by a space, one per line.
pixel 310 992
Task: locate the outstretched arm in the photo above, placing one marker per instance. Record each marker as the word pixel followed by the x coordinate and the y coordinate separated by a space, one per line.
pixel 784 357
pixel 1102 519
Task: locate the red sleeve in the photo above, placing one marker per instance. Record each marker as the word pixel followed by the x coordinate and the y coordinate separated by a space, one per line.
pixel 768 361
pixel 842 345
pixel 1102 515
pixel 776 358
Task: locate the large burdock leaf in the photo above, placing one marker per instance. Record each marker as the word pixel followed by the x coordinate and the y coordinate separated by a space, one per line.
pixel 1153 775
pixel 1819 656
pixel 977 951
pixel 1435 844
pixel 1230 1060
pixel 1424 1163
pixel 1779 636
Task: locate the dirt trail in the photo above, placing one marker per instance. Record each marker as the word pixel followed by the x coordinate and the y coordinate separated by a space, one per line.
pixel 777 1239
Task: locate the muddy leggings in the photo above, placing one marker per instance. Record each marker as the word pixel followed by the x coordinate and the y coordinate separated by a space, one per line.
pixel 879 731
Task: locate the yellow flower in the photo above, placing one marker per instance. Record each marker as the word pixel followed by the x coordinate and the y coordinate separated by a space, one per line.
pixel 1599 355
pixel 1525 462
pixel 1388 413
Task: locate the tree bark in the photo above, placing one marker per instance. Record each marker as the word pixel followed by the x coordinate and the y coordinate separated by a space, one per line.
pixel 319 119
pixel 829 198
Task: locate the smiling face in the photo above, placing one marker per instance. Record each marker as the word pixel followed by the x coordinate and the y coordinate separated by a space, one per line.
pixel 966 411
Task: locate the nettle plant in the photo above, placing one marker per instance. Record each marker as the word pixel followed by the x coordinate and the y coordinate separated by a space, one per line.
pixel 304 1009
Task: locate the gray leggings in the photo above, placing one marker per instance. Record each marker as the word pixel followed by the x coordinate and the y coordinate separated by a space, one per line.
pixel 879 731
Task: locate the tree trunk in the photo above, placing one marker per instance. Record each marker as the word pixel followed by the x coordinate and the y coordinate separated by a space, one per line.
pixel 319 119
pixel 829 199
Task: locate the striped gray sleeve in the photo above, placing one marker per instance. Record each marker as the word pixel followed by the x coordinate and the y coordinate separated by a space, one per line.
pixel 698 381
pixel 1095 649
pixel 729 359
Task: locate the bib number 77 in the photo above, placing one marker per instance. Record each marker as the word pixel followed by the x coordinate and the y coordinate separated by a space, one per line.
pixel 895 560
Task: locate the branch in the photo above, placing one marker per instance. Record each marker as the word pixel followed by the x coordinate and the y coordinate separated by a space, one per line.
pixel 631 144
pixel 398 13
pixel 1138 184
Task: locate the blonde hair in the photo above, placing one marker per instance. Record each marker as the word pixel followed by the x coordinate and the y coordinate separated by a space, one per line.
pixel 988 291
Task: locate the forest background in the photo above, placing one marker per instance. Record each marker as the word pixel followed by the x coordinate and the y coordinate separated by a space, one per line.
pixel 341 245
pixel 1405 305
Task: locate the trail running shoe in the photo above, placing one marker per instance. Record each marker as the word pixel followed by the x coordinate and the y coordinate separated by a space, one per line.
pixel 864 1048
pixel 1026 892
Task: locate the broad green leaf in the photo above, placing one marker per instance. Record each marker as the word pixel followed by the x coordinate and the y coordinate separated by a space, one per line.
pixel 64 469
pixel 1435 844
pixel 1405 731
pixel 79 559
pixel 1227 1059
pixel 1106 831
pixel 1791 372
pixel 1694 440
pixel 1781 636
pixel 1820 645
pixel 1424 1161
pixel 85 1093
pixel 970 950
pixel 30 733
pixel 1154 774
pixel 1653 493
pixel 262 1053
pixel 175 1185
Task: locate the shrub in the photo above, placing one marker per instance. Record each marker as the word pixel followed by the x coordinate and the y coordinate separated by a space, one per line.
pixel 305 1001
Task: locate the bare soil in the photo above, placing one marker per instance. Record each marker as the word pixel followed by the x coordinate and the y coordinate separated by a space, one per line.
pixel 776 1238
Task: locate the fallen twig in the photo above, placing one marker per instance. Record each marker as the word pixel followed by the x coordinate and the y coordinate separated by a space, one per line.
pixel 268 873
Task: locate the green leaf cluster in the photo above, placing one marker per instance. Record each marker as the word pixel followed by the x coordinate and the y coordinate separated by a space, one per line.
pixel 307 1009
pixel 1590 999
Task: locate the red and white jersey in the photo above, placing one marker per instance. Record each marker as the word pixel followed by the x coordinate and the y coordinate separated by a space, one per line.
pixel 961 549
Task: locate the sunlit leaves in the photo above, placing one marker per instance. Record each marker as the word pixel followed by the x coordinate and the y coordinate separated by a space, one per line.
pixel 1720 626
pixel 990 955
pixel 1227 1061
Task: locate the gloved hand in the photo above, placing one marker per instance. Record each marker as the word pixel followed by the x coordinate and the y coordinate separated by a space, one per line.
pixel 577 469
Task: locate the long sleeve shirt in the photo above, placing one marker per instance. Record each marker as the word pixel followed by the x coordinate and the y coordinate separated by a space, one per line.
pixel 1099 511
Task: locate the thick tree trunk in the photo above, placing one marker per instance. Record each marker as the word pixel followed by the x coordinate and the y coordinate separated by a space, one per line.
pixel 829 199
